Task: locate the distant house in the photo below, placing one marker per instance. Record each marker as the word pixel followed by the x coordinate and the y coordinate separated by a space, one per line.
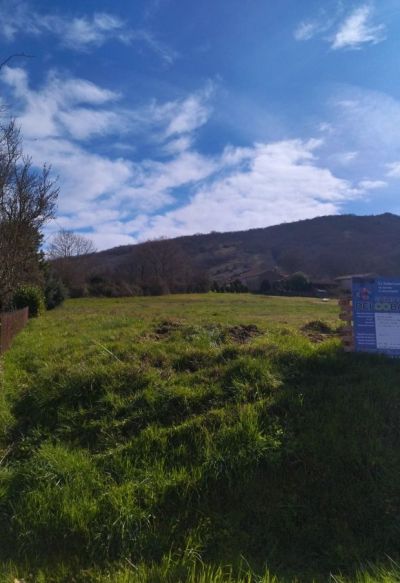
pixel 344 282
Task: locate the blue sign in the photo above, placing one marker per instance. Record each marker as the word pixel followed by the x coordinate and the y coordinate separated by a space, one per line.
pixel 376 315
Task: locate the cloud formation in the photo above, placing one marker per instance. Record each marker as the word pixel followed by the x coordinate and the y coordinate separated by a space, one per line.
pixel 267 184
pixel 352 31
pixel 359 29
pixel 177 191
pixel 78 33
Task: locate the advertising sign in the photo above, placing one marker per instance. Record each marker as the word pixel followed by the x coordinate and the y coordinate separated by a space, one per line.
pixel 376 315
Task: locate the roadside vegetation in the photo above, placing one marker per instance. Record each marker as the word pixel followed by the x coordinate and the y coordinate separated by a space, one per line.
pixel 197 438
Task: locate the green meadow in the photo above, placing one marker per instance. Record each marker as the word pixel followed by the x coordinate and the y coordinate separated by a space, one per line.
pixel 197 438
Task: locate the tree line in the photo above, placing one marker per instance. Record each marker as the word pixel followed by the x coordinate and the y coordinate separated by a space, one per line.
pixel 152 268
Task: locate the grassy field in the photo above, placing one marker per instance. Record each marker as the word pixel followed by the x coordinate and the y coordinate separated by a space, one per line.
pixel 203 438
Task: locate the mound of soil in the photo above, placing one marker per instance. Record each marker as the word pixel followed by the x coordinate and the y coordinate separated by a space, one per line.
pixel 243 333
pixel 317 330
pixel 167 327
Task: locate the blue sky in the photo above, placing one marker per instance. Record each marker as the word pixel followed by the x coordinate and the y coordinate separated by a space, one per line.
pixel 172 117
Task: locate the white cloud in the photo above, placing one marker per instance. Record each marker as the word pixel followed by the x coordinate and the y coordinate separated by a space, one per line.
pixel 180 144
pixel 178 119
pixel 80 109
pixel 79 33
pixel 166 53
pixel 99 190
pixel 393 169
pixel 345 158
pixel 83 123
pixel 58 107
pixel 372 184
pixel 308 29
pixel 123 199
pixel 352 32
pixel 359 29
pixel 368 122
pixel 272 183
pixel 19 17
pixel 326 128
pixel 193 113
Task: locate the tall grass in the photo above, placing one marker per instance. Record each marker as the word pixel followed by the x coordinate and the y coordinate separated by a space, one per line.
pixel 167 440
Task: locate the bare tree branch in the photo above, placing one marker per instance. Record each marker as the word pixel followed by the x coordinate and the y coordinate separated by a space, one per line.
pixel 15 56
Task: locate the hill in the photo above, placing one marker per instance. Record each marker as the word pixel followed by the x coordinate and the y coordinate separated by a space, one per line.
pixel 183 439
pixel 323 248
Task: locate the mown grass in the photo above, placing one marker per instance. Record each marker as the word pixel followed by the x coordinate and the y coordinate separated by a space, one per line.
pixel 197 438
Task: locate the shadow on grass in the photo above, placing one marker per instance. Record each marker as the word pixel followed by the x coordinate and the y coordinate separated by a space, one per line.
pixel 292 461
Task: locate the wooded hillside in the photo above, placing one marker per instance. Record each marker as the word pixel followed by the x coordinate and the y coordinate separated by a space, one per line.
pixel 323 248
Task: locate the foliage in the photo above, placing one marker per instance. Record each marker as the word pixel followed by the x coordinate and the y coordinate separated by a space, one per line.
pixel 103 287
pixel 55 291
pixel 298 282
pixel 153 268
pixel 235 286
pixel 265 286
pixel 29 296
pixel 140 448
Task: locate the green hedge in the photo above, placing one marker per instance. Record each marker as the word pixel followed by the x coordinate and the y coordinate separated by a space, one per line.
pixel 30 296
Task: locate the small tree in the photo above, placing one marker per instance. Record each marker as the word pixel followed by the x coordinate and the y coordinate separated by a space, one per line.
pixel 64 250
pixel 298 282
pixel 27 201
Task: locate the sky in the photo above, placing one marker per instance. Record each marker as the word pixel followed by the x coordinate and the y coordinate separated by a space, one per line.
pixel 164 118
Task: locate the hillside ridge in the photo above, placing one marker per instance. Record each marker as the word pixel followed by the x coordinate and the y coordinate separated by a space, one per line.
pixel 323 247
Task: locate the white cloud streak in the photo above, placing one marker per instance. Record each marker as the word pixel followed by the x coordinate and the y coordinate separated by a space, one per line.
pixel 358 29
pixel 372 184
pixel 353 32
pixel 393 170
pixel 80 33
pixel 269 184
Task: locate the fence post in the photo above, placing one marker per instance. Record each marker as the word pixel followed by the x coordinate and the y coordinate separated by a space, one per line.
pixel 347 331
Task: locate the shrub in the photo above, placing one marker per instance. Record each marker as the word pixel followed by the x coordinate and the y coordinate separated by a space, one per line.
pixel 55 291
pixel 29 296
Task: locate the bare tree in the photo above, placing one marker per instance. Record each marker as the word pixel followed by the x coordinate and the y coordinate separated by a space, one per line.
pixel 158 267
pixel 68 252
pixel 67 244
pixel 27 201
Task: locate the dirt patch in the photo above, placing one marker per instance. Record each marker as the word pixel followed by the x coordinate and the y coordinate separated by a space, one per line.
pixel 243 333
pixel 166 327
pixel 318 331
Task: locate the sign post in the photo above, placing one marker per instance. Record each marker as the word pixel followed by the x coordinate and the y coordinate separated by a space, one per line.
pixel 376 315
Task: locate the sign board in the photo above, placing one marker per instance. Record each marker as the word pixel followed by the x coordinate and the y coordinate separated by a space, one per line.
pixel 376 315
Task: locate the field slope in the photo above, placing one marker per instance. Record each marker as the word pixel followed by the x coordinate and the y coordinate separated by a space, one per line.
pixel 197 438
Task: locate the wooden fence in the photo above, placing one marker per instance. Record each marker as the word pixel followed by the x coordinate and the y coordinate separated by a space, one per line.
pixel 346 314
pixel 10 324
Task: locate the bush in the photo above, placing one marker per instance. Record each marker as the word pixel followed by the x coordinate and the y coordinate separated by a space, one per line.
pixel 29 296
pixel 55 291
pixel 298 282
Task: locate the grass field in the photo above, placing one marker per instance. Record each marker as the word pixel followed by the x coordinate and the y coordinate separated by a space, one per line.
pixel 203 438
